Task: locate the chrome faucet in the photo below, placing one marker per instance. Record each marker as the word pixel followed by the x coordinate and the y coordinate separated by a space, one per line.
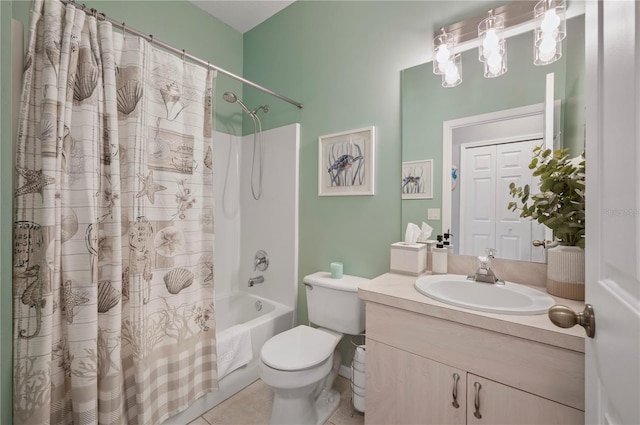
pixel 484 272
pixel 254 280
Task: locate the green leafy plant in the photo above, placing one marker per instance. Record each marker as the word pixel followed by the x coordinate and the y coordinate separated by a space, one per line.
pixel 560 204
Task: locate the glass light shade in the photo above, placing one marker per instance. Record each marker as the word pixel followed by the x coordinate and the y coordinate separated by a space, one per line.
pixel 550 30
pixel 453 72
pixel 491 38
pixel 443 46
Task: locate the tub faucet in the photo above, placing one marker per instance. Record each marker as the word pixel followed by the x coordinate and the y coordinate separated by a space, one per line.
pixel 254 280
pixel 484 272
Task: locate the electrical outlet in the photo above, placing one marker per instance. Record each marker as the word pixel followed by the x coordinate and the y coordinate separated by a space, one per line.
pixel 433 213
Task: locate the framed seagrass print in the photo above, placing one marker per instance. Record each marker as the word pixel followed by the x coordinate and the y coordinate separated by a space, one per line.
pixel 346 163
pixel 417 179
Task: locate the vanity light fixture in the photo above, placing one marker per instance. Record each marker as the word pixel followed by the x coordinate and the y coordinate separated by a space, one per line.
pixel 445 63
pixel 493 46
pixel 549 32
pixel 547 18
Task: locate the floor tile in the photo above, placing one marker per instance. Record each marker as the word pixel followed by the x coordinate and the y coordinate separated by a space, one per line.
pixel 253 406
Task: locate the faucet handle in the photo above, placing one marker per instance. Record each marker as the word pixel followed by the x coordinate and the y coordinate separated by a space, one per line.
pixel 261 261
pixel 491 253
pixel 484 261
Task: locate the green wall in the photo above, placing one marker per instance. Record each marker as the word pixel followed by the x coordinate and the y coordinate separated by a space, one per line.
pixel 342 59
pixel 178 23
pixel 426 104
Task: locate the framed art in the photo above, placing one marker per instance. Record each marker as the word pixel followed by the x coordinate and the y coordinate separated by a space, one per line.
pixel 417 179
pixel 346 163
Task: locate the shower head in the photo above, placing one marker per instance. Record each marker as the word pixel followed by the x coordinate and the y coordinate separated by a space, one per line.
pixel 232 98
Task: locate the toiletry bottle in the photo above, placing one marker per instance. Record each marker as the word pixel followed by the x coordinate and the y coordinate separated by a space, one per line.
pixel 447 242
pixel 439 257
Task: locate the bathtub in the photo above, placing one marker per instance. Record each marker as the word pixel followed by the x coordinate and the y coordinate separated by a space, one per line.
pixel 265 318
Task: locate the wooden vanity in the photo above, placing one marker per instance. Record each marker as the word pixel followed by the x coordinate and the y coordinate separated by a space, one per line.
pixel 433 363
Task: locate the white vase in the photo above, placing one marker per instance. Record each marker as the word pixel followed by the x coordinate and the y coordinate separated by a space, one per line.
pixel 565 272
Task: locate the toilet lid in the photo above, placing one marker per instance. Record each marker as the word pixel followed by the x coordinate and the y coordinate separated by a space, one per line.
pixel 298 348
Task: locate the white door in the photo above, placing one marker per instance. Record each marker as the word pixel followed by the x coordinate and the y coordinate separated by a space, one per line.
pixel 613 211
pixel 477 199
pixel 485 221
pixel 513 233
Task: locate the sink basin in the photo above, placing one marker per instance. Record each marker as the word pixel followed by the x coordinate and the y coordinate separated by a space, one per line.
pixel 510 298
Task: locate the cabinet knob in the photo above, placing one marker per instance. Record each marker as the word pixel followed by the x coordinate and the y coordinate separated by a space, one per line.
pixel 563 317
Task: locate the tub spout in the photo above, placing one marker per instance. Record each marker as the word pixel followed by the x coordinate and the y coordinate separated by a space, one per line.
pixel 254 280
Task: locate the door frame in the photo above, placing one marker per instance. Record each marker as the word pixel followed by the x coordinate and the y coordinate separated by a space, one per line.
pixel 449 126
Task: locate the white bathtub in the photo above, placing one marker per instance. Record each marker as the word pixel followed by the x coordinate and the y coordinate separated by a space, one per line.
pixel 266 318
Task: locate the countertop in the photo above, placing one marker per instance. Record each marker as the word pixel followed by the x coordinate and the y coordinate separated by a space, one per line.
pixel 397 290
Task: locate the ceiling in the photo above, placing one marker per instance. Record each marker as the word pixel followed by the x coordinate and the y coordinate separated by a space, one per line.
pixel 242 15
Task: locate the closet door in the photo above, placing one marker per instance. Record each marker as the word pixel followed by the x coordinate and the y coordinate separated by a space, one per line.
pixel 485 221
pixel 477 199
pixel 513 234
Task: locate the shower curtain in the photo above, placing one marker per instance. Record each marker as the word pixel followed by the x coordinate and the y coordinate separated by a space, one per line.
pixel 113 233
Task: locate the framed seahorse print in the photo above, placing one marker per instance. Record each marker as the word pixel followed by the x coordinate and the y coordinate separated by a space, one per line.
pixel 346 163
pixel 417 179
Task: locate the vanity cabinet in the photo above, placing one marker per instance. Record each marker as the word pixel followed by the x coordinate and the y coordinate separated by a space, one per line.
pixel 403 388
pixel 420 367
pixel 490 402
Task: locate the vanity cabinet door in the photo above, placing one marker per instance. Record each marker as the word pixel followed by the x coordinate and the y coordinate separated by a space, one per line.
pixel 403 388
pixel 489 402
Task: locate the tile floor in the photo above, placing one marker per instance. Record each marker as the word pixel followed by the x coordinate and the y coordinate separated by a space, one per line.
pixel 252 406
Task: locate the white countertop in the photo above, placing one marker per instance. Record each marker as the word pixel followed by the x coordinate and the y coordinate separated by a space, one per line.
pixel 397 290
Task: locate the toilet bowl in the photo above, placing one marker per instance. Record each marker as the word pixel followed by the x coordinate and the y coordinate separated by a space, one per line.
pixel 301 364
pixel 297 365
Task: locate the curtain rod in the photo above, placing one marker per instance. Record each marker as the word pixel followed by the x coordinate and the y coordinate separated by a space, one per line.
pixel 181 52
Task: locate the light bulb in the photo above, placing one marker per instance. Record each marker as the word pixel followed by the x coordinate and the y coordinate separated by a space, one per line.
pixel 451 74
pixel 491 41
pixel 547 45
pixel 550 22
pixel 443 54
pixel 451 78
pixel 546 56
pixel 442 66
pixel 495 69
pixel 495 62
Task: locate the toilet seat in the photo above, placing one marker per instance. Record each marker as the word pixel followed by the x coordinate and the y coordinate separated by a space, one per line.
pixel 299 348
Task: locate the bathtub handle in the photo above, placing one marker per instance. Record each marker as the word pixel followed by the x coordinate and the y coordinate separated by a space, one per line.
pixel 261 261
pixel 308 285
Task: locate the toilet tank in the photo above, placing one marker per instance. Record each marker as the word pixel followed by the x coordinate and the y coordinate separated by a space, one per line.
pixel 334 303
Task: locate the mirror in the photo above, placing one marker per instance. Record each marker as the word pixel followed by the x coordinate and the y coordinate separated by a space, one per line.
pixel 427 107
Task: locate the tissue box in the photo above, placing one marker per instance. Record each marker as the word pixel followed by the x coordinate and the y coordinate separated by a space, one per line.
pixel 408 258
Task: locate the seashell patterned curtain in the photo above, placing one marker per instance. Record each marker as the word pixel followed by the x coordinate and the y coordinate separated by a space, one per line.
pixel 113 234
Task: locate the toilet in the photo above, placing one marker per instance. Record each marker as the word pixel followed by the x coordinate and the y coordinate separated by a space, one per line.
pixel 301 364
